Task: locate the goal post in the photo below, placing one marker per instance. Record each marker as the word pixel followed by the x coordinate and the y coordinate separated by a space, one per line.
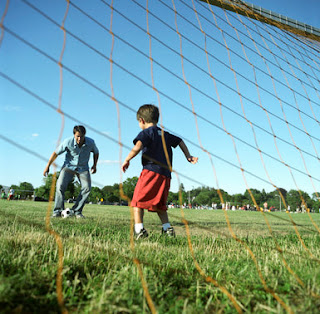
pixel 267 16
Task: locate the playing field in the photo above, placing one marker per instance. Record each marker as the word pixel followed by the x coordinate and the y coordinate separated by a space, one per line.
pixel 262 269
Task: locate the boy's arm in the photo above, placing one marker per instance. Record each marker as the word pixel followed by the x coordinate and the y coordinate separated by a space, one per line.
pixel 185 150
pixel 51 160
pixel 134 152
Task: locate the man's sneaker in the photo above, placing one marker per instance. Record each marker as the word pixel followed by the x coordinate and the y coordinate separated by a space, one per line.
pixel 79 216
pixel 169 232
pixel 142 234
pixel 56 215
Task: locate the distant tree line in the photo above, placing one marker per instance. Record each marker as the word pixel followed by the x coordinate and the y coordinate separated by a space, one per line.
pixel 23 191
pixel 206 196
pixel 201 196
pixel 107 194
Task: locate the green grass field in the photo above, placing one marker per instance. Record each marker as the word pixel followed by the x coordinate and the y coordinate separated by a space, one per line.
pixel 100 276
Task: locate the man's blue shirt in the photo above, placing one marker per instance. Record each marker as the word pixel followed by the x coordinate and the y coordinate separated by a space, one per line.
pixel 77 158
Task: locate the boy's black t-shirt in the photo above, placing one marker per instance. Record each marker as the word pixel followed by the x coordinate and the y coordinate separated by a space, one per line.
pixel 153 148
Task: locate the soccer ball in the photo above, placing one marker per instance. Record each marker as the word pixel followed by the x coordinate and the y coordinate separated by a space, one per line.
pixel 66 213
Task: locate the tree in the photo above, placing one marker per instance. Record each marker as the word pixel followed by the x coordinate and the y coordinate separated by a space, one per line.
pixel 238 199
pixel 209 196
pixel 107 191
pixel 257 195
pixel 44 190
pixel 283 192
pixel 181 187
pixel 42 193
pixel 129 186
pixel 116 190
pixel 295 200
pixel 25 190
pixel 316 201
pixel 95 195
pixel 275 200
pixel 226 197
pixel 316 196
pixel 204 198
pixel 111 193
pixel 173 198
pixel 184 195
pixel 113 198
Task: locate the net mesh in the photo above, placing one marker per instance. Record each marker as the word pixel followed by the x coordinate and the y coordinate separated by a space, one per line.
pixel 243 93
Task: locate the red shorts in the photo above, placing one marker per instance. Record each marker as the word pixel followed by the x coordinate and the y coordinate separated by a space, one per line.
pixel 151 191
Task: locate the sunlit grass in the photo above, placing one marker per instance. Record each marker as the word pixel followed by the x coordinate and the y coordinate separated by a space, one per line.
pixel 99 274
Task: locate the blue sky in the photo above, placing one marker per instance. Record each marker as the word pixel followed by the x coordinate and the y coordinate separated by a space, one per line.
pixel 28 103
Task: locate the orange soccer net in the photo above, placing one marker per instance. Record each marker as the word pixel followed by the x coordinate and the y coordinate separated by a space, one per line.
pixel 242 91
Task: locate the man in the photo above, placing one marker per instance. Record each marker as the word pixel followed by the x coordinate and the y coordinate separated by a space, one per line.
pixel 11 194
pixel 78 149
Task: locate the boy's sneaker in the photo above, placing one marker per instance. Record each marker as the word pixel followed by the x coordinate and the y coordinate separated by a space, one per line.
pixel 169 232
pixel 142 234
pixel 79 216
pixel 56 215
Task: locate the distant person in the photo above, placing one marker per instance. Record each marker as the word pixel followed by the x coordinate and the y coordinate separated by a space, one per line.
pixel 77 149
pixel 3 194
pixel 152 189
pixel 11 194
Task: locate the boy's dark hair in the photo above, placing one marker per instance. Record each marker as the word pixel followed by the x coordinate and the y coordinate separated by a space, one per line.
pixel 149 113
pixel 79 128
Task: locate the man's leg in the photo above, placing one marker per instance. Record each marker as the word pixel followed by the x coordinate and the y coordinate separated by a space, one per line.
pixel 85 181
pixel 65 177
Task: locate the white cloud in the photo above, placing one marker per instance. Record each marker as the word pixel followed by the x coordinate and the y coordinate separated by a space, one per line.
pixel 9 108
pixel 108 161
pixel 35 135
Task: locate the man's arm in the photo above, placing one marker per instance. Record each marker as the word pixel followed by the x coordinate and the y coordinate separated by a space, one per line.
pixel 185 150
pixel 95 161
pixel 51 160
pixel 134 152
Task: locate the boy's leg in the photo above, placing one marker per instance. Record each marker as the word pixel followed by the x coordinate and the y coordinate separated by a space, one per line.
pixel 166 227
pixel 65 177
pixel 138 215
pixel 138 223
pixel 138 219
pixel 163 215
pixel 85 181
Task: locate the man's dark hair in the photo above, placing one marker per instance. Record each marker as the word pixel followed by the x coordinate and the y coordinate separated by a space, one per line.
pixel 149 113
pixel 79 128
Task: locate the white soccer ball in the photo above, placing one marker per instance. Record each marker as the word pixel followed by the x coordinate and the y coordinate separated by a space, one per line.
pixel 66 213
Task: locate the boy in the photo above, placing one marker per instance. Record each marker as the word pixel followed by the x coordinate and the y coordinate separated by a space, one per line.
pixel 78 149
pixel 152 189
